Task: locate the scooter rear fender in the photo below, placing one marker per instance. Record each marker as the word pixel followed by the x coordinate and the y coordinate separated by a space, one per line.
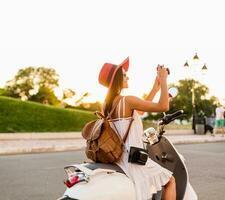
pixel 100 184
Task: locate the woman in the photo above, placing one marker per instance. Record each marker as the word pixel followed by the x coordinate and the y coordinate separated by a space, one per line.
pixel 148 178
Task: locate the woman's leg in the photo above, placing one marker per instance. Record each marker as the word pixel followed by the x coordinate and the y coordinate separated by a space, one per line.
pixel 170 190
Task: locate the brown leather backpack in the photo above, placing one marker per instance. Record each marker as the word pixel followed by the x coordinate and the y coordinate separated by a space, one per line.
pixel 103 143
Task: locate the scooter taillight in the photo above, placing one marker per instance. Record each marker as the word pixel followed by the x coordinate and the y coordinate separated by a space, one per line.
pixel 72 180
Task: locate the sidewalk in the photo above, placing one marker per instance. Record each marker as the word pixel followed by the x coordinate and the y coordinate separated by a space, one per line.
pixel 19 143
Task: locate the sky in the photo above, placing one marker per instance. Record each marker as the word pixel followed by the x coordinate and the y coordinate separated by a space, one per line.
pixel 77 37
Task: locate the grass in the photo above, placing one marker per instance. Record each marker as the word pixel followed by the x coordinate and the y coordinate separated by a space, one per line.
pixel 19 116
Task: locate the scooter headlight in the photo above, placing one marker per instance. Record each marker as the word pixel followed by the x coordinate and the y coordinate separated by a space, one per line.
pixel 151 135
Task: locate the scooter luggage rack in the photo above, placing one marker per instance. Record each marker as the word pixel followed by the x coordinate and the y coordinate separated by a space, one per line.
pixel 87 170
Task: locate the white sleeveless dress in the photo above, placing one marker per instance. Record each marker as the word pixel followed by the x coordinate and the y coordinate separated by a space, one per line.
pixel 148 178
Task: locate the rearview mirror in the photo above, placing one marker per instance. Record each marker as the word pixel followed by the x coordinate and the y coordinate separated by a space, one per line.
pixel 173 91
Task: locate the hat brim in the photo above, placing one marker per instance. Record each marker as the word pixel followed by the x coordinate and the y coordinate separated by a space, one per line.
pixel 124 64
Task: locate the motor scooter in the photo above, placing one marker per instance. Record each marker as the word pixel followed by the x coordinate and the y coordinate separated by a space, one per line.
pixel 98 181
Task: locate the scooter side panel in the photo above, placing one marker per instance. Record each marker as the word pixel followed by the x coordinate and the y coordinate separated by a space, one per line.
pixel 165 154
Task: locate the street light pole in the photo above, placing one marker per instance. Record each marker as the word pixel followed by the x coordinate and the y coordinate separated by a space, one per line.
pixel 194 116
pixel 204 69
pixel 193 107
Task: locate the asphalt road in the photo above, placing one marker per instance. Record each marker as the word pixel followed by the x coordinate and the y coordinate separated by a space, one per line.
pixel 40 176
pixel 206 167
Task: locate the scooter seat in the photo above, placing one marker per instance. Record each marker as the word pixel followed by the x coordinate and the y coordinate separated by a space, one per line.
pixel 94 166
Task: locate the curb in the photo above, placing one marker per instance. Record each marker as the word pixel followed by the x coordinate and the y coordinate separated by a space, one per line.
pixel 69 135
pixel 40 136
pixel 40 150
pixel 196 140
pixel 23 146
pixel 26 146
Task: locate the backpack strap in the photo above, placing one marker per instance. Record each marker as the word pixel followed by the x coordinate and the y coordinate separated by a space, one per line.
pixel 100 114
pixel 113 108
pixel 132 119
pixel 122 101
pixel 128 129
pixel 110 114
pixel 123 107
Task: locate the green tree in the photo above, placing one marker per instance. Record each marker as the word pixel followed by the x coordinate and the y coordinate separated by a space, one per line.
pixel 35 84
pixel 184 98
pixel 70 98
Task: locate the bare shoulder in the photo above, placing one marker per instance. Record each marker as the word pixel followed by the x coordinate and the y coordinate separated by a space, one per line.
pixel 132 99
pixel 134 102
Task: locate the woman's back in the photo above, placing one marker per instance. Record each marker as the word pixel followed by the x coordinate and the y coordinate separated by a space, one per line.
pixel 122 109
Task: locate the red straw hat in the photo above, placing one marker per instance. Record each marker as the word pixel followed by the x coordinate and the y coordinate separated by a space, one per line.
pixel 108 72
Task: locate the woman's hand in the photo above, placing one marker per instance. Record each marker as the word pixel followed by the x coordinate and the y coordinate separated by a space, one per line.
pixel 162 72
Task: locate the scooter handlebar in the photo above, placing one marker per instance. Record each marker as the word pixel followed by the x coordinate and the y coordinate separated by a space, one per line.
pixel 170 117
